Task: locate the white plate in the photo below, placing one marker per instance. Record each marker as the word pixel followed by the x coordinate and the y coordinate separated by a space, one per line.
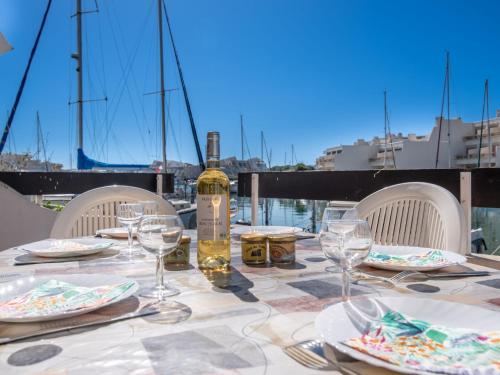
pixel 348 320
pixel 117 232
pixel 237 231
pixel 451 257
pixel 53 248
pixel 14 288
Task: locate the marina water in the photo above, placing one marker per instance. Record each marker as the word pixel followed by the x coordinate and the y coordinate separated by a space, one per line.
pixel 306 214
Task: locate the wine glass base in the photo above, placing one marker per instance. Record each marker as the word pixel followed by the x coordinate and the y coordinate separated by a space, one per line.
pixel 159 294
pixel 131 253
pixel 170 312
pixel 333 269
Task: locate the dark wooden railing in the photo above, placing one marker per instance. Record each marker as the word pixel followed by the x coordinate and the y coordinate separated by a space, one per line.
pixel 356 185
pixel 38 183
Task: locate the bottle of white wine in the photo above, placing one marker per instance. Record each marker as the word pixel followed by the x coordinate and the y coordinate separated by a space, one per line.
pixel 212 202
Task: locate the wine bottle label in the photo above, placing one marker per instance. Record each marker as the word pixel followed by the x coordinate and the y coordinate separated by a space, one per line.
pixel 211 216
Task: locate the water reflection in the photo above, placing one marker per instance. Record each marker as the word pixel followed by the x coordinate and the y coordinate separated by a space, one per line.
pixel 300 213
pixel 489 220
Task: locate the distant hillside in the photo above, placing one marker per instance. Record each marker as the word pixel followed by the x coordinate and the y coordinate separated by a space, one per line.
pixel 231 166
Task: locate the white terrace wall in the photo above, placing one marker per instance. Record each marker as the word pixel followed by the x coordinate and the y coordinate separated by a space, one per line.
pixel 22 221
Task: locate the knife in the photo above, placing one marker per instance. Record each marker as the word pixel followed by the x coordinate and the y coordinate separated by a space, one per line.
pixel 148 309
pixel 459 274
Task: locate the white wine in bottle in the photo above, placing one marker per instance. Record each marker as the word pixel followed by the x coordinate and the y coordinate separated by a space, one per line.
pixel 212 202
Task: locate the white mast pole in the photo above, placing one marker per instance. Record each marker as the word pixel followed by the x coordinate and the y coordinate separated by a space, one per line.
pixel 79 71
pixel 162 90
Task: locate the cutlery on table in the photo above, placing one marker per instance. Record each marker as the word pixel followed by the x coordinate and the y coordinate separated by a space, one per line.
pixel 399 277
pixel 148 309
pixel 311 354
pixel 433 276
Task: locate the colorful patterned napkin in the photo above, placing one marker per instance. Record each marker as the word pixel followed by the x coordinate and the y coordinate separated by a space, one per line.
pixel 424 259
pixel 59 297
pixel 419 345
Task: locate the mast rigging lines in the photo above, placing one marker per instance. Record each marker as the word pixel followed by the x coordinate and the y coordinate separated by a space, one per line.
pixel 446 94
pixel 486 99
pixel 23 80
pixel 387 131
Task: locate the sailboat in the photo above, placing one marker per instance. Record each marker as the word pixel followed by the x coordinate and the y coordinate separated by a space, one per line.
pixel 84 162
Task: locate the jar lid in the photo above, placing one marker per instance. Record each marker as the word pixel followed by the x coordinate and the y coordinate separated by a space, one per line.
pixel 252 237
pixel 185 239
pixel 282 237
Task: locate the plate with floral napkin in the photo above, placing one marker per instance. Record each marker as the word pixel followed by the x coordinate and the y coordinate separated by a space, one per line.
pixel 415 335
pixel 42 298
pixel 411 258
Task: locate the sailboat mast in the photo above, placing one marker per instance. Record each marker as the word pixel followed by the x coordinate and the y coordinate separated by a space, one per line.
pixel 261 145
pixel 41 142
pixel 37 124
pixel 241 131
pixel 445 88
pixel 487 89
pixel 20 90
pixel 448 105
pixel 79 72
pixel 162 89
pixel 480 143
pixel 388 133
pixel 184 90
pixel 385 128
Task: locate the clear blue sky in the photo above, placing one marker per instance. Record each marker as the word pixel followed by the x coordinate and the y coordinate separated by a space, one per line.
pixel 306 72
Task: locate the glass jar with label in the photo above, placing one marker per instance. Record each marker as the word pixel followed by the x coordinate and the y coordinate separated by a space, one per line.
pixel 253 248
pixel 180 256
pixel 282 248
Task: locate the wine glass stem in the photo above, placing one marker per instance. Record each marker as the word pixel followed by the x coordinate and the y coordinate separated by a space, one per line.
pixel 130 238
pixel 159 273
pixel 346 285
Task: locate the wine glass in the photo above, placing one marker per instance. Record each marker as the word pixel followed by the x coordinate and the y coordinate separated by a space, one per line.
pixel 233 207
pixel 128 215
pixel 159 235
pixel 336 213
pixel 150 207
pixel 347 243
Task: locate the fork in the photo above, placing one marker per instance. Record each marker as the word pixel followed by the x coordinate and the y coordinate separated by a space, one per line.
pixel 391 280
pixel 311 353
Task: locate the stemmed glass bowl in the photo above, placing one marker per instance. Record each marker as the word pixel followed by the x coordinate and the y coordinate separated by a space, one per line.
pixel 128 215
pixel 336 213
pixel 159 235
pixel 347 243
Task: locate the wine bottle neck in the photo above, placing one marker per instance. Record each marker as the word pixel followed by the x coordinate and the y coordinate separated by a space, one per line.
pixel 213 150
pixel 213 163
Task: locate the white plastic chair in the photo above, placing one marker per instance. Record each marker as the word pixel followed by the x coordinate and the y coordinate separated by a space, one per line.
pixel 96 209
pixel 415 214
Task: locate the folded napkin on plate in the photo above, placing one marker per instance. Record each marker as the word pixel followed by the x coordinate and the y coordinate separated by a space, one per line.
pixel 428 258
pixel 58 297
pixel 419 345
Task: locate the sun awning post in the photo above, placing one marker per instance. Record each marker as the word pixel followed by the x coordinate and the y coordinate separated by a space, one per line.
pixel 466 202
pixel 159 184
pixel 255 198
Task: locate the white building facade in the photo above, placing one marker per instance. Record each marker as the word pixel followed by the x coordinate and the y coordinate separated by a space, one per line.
pixel 419 152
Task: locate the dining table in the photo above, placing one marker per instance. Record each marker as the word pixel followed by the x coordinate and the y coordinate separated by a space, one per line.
pixel 233 322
